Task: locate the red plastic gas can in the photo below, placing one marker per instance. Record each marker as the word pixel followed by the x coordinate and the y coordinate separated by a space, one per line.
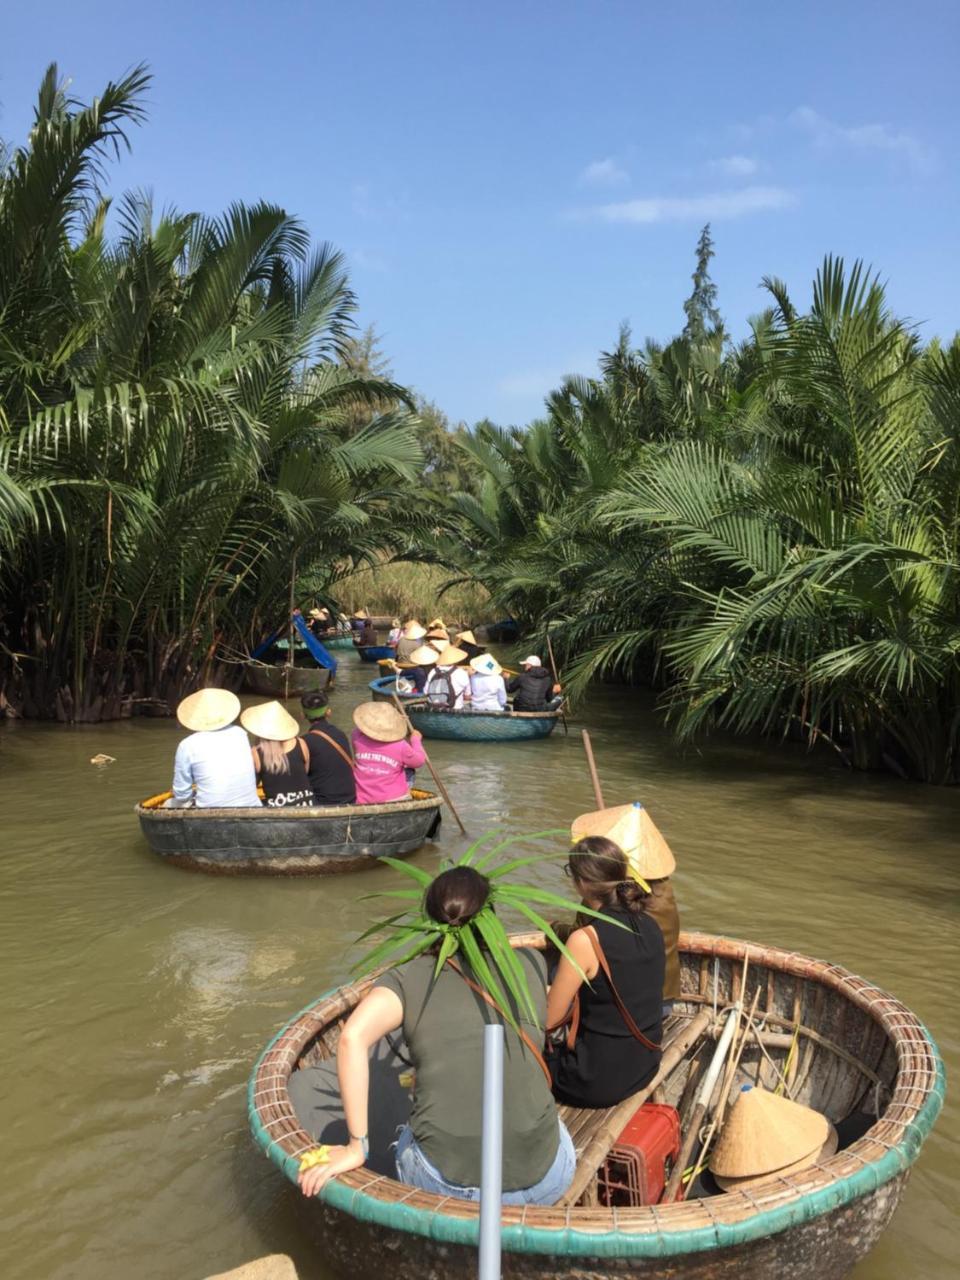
pixel 638 1165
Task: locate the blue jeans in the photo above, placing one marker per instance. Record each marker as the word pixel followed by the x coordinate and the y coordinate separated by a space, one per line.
pixel 416 1170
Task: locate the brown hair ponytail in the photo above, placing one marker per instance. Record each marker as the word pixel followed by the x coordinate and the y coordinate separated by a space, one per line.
pixel 601 868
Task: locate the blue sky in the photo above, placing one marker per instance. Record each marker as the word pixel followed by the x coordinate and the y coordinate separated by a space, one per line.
pixel 510 181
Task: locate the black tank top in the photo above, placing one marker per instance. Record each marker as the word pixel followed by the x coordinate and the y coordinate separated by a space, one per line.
pixel 637 960
pixel 607 1063
pixel 289 788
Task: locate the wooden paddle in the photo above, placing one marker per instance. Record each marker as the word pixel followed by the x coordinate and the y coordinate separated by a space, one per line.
pixel 436 777
pixel 556 680
pixel 594 776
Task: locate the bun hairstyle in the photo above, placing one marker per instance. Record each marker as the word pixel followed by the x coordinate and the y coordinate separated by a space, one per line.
pixel 601 867
pixel 456 895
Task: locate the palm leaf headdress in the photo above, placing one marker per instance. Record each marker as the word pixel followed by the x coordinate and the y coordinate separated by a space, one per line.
pixel 482 941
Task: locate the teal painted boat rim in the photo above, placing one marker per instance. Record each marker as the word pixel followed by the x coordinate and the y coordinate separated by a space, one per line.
pixel 883 1153
pixel 501 717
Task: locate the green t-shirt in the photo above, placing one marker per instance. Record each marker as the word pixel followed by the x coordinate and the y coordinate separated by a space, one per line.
pixel 443 1024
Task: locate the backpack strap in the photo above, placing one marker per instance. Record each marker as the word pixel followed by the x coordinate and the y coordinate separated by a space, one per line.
pixel 305 753
pixel 484 995
pixel 622 1009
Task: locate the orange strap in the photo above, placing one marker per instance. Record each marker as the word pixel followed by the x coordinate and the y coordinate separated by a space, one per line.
pixel 484 995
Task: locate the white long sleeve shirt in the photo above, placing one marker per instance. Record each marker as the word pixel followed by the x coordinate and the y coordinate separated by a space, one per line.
pixel 220 766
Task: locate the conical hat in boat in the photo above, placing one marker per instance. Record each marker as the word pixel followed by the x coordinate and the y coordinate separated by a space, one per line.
pixel 361 613
pixel 823 1153
pixel 438 642
pixel 632 828
pixel 208 709
pixel 414 631
pixel 270 720
pixel 425 656
pixel 380 721
pixel 450 656
pixel 766 1133
pixel 468 636
pixel 437 623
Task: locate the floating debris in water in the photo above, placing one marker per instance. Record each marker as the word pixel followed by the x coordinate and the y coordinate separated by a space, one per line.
pixel 100 758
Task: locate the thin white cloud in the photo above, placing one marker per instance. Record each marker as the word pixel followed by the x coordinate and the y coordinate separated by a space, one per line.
pixel 714 206
pixel 864 137
pixel 734 166
pixel 526 383
pixel 604 173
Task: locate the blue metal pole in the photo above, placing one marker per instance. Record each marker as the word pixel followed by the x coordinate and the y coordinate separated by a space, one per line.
pixel 491 1164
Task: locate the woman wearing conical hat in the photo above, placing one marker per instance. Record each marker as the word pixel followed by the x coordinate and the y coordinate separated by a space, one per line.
pixel 280 757
pixel 631 827
pixel 212 768
pixel 613 995
pixel 448 687
pixel 467 641
pixel 411 637
pixel 383 754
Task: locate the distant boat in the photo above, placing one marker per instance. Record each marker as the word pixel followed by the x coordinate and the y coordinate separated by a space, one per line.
pixel 859 1056
pixel 482 726
pixel 375 652
pixel 279 681
pixel 503 632
pixel 384 689
pixel 288 842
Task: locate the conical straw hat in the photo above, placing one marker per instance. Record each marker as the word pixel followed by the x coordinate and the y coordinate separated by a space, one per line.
pixel 485 664
pixel 414 631
pixel 824 1153
pixel 632 828
pixel 380 721
pixel 765 1133
pixel 468 636
pixel 438 623
pixel 437 643
pixel 208 709
pixel 450 656
pixel 361 613
pixel 425 656
pixel 270 720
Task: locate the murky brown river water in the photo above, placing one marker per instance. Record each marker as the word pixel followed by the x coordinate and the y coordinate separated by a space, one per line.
pixel 136 997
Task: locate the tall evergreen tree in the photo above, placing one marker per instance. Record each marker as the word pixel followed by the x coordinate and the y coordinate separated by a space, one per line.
pixel 703 318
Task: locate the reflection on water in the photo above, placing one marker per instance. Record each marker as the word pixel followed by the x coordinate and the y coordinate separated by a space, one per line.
pixel 137 996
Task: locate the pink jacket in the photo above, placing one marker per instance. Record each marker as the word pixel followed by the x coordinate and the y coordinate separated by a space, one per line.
pixel 380 765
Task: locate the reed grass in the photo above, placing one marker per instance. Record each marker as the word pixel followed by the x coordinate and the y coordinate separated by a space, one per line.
pixel 406 588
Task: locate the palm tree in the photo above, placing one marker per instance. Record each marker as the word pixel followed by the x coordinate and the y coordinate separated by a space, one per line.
pixel 173 425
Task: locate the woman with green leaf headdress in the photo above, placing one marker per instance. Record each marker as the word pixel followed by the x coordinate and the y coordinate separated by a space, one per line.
pixel 456 971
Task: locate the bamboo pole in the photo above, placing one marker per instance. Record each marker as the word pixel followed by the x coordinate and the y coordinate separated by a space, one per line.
pixel 288 665
pixel 594 776
pixel 436 777
pixel 556 680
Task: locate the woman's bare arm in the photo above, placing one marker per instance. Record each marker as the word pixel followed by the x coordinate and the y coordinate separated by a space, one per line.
pixel 568 981
pixel 377 1014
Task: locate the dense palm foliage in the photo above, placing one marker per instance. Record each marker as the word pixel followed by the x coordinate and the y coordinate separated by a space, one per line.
pixel 770 533
pixel 177 430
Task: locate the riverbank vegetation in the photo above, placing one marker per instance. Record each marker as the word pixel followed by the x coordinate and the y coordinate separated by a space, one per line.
pixel 768 531
pixel 192 433
pixel 178 426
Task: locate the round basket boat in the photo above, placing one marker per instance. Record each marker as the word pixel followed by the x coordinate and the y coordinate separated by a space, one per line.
pixel 337 642
pixel 384 689
pixel 858 1053
pixel 281 681
pixel 288 842
pixel 375 652
pixel 482 726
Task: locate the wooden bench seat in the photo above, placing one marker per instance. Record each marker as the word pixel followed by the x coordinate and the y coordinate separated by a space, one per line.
pixel 594 1130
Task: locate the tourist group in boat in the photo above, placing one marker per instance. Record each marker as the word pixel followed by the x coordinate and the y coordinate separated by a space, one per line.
pixel 216 767
pixel 585 1017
